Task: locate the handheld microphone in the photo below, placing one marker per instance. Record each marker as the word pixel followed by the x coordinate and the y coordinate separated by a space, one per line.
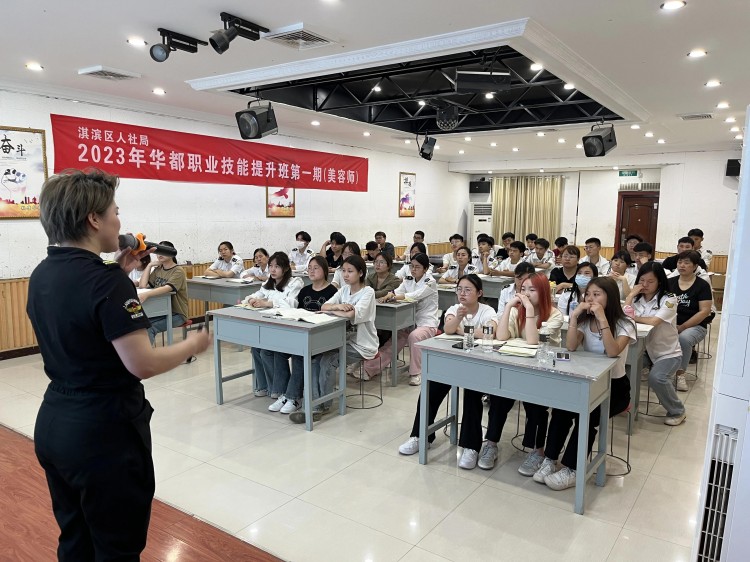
pixel 136 243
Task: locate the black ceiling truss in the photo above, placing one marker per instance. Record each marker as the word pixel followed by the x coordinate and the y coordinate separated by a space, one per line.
pixel 533 98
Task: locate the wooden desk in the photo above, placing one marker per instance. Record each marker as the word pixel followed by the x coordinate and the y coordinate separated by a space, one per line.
pixel 259 329
pixel 393 317
pixel 578 385
pixel 160 305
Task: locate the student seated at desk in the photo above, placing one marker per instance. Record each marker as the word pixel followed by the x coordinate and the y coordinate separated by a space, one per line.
pixel 599 325
pixel 332 249
pixel 418 238
pixel 630 243
pixel 697 235
pixel 569 299
pixel 385 247
pixel 522 272
pixel 372 251
pixel 684 244
pixel 462 267
pixel 565 276
pixel 469 291
pixel 348 249
pixel 483 256
pixel 164 276
pixel 291 383
pixel 421 287
pixel 416 248
pixel 382 280
pixel 449 259
pixel 355 302
pixel 508 238
pixel 592 248
pixel 644 253
pixel 541 256
pixel 694 301
pixel 560 244
pixel 228 264
pixel 621 271
pixel 506 267
pixel 653 304
pixel 140 269
pixel 522 318
pixel 259 271
pixel 280 291
pixel 531 239
pixel 301 253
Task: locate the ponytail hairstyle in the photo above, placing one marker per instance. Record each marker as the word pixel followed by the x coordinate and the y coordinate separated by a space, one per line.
pixel 359 264
pixel 613 311
pixel 282 261
pixel 544 308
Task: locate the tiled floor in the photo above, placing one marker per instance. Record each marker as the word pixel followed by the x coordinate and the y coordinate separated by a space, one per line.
pixel 344 493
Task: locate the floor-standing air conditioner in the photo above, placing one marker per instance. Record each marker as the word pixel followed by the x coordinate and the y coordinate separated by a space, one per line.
pixel 480 221
pixel 724 508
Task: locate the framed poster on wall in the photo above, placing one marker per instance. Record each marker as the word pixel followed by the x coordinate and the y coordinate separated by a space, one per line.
pixel 407 184
pixel 23 165
pixel 280 202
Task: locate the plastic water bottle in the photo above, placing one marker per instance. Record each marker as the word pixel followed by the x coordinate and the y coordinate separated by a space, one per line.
pixel 543 351
pixel 487 338
pixel 468 333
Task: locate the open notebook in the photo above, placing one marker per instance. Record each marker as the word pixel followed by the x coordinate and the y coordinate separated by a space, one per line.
pixel 301 314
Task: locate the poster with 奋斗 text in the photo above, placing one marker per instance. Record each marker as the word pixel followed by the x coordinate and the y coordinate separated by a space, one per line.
pixel 23 165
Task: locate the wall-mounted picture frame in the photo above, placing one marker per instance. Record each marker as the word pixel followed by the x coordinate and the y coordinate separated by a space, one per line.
pixel 280 202
pixel 407 187
pixel 23 171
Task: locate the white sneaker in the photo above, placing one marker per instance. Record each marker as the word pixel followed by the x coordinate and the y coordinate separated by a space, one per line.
pixel 675 420
pixel 290 406
pixel 547 468
pixel 352 368
pixel 276 406
pixel 416 380
pixel 644 373
pixel 468 459
pixel 532 463
pixel 681 383
pixel 260 393
pixel 562 479
pixel 487 456
pixel 411 446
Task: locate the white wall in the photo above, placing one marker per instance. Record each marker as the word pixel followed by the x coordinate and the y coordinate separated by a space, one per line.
pixel 196 217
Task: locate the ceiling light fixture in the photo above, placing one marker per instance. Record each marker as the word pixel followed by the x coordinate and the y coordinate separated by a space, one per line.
pixel 722 105
pixel 561 141
pixel 422 103
pixel 713 84
pixel 315 123
pixel 493 144
pixel 136 42
pixel 515 149
pixel 648 134
pixel 467 139
pixel 579 145
pixel 738 137
pixel 366 133
pixel 541 170
pixel 377 89
pixel 407 141
pixel 35 66
pixel 569 86
pixel 540 134
pixel 661 141
pixel 425 151
pixel 536 67
pixel 697 53
pixel 730 120
pixel 671 5
pixel 256 122
pixel 437 147
pixel 489 95
pixel 615 167
pixel 461 151
pixel 489 171
pixel 234 27
pixel 635 127
pixel 447 118
pixel 173 41
pixel 159 91
pixel 599 141
pixel 734 130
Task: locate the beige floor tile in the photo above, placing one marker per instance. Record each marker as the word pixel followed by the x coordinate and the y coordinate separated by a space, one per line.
pixel 169 463
pixel 635 546
pixel 681 457
pixel 169 405
pixel 20 410
pixel 417 554
pixel 7 390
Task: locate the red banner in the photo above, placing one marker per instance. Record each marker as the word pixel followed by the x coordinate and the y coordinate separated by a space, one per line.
pixel 130 151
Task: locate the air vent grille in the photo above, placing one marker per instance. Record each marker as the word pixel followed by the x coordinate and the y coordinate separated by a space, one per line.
pixel 107 73
pixel 296 37
pixel 482 209
pixel 640 187
pixel 695 116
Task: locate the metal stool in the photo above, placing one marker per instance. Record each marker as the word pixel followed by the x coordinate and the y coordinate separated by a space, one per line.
pixel 626 460
pixel 378 398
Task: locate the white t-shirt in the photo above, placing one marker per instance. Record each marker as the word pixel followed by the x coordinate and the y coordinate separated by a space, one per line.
pixel 476 259
pixel 484 313
pixel 554 325
pixel 592 341
pixel 425 293
pixel 662 341
pixel 451 274
pixel 255 271
pixel 532 258
pixel 602 266
pixel 362 335
pixel 234 265
pixel 506 265
pixel 505 295
pixel 406 270
pixel 286 298
pixel 449 260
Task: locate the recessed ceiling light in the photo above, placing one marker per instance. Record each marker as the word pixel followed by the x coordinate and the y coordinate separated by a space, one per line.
pixel 541 170
pixel 536 67
pixel 540 134
pixel 569 86
pixel 673 5
pixel 376 89
pixel 489 171
pixel 722 105
pixel 77 101
pixel 579 145
pixel 635 127
pixel 422 103
pixel 561 141
pixel 730 120
pixel 515 149
pixel 461 151
pixel 489 95
pixel 35 66
pixel 159 91
pixel 697 53
pixel 615 167
pixel 136 42
pixel 314 123
pixel 493 144
pixel 366 133
pixel 713 84
pixel 734 130
pixel 407 141
pixel 437 147
pixel 467 139
pixel 738 137
pixel 648 134
pixel 661 141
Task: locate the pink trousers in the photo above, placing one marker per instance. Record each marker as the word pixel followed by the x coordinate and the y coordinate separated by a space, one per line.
pixel 407 335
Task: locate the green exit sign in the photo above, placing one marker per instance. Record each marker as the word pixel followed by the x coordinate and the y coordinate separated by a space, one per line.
pixel 628 173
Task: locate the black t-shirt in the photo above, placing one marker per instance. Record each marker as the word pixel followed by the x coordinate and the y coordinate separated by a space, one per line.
pixel 501 254
pixel 332 263
pixel 688 301
pixel 78 304
pixel 558 276
pixel 670 263
pixel 310 299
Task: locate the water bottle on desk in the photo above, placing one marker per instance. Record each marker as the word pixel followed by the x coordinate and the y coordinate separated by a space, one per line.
pixel 468 333
pixel 543 351
pixel 487 338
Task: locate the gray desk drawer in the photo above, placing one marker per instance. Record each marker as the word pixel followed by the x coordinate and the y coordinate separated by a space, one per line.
pixel 477 374
pixel 555 390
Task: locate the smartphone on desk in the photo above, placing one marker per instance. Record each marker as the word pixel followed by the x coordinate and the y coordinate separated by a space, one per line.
pixel 460 345
pixel 562 356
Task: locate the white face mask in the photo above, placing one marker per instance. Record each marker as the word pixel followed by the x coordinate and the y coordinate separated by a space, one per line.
pixel 300 244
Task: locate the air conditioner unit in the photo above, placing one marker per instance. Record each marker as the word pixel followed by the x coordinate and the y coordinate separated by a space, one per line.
pixel 724 505
pixel 480 220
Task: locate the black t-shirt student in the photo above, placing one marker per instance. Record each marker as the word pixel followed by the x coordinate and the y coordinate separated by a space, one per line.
pixel 558 276
pixel 688 301
pixel 313 300
pixel 502 254
pixel 333 263
pixel 670 263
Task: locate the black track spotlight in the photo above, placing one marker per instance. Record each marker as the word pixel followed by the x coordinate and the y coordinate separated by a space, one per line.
pixel 599 141
pixel 233 27
pixel 256 122
pixel 427 148
pixel 173 41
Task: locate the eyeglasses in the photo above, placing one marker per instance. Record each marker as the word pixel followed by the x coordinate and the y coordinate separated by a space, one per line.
pixel 380 262
pixel 464 290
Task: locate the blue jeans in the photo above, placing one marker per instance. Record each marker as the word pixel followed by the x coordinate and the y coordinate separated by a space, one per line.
pixel 690 337
pixel 159 325
pixel 286 382
pixel 327 373
pixel 660 379
pixel 263 369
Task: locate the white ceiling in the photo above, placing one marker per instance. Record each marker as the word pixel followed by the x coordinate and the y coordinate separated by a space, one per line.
pixel 628 51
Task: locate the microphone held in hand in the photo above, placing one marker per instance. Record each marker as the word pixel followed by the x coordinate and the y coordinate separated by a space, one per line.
pixel 136 243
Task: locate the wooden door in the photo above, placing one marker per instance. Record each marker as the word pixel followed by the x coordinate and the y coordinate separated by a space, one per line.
pixel 637 213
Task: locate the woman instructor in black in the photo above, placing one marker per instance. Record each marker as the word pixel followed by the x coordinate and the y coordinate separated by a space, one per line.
pixel 92 433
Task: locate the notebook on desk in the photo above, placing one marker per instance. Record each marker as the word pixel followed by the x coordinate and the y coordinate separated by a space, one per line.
pixel 302 315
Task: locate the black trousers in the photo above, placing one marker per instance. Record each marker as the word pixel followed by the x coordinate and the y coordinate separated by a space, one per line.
pixel 96 452
pixel 562 421
pixel 438 392
pixel 473 408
